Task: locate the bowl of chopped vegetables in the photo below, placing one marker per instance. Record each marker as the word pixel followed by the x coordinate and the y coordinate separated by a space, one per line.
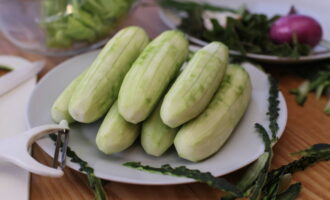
pixel 272 31
pixel 61 27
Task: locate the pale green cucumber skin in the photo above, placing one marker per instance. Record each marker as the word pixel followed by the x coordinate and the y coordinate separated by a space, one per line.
pixel 60 108
pixel 99 88
pixel 115 134
pixel 156 137
pixel 196 85
pixel 205 135
pixel 151 74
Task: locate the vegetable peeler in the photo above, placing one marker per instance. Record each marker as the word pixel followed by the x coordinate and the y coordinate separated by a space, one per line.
pixel 16 149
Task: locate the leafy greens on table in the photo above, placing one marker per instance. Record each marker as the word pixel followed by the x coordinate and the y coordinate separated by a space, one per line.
pixel 94 183
pixel 318 81
pixel 247 34
pixel 5 68
pixel 182 171
pixel 258 182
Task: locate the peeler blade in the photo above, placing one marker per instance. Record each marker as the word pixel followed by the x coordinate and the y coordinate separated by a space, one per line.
pixel 61 145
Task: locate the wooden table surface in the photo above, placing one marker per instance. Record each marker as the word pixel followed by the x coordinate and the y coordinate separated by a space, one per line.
pixel 306 126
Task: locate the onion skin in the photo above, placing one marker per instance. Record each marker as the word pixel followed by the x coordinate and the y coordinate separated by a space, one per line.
pixel 307 30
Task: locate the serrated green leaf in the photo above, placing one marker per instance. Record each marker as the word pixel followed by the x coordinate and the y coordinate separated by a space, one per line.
pixel 182 171
pixel 291 193
pixel 312 155
pixel 327 108
pixel 273 107
pixel 301 93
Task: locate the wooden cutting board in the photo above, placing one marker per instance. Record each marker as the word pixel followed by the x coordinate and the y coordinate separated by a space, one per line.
pixel 306 126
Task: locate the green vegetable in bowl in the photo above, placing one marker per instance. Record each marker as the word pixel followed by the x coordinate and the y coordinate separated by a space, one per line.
pixel 68 21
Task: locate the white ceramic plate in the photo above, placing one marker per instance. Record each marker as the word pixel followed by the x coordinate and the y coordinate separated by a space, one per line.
pixel 319 9
pixel 243 147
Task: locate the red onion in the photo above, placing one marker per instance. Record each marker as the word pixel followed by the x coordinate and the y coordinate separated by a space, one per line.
pixel 307 30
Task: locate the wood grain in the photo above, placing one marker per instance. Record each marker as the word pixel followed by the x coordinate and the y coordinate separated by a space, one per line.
pixel 306 126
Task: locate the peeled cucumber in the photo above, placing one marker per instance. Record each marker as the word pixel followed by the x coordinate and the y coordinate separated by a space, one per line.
pixel 99 88
pixel 204 135
pixel 156 137
pixel 196 85
pixel 60 108
pixel 151 74
pixel 115 134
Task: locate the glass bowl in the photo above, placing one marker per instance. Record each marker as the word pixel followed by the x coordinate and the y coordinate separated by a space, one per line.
pixel 61 27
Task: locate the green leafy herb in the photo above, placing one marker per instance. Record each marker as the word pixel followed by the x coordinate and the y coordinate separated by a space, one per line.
pixel 94 183
pixel 247 34
pixel 327 108
pixel 182 171
pixel 284 182
pixel 291 193
pixel 247 182
pixel 273 107
pixel 301 92
pixel 252 173
pixel 265 137
pixel 190 5
pixel 315 150
pixel 267 185
pixel 258 183
pixel 318 81
pixel 312 155
pixel 3 67
pixel 256 189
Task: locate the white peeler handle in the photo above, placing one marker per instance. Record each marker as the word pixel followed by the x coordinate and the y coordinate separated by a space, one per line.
pixel 15 149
